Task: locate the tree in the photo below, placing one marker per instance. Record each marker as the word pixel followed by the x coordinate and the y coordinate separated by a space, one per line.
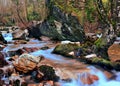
pixel 108 25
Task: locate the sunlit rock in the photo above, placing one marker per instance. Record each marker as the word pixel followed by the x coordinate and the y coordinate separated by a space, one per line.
pixel 114 52
pixel 19 34
pixel 26 62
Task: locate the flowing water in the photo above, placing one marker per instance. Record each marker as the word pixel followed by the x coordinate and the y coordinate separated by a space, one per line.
pixel 73 68
pixel 103 80
pixel 7 36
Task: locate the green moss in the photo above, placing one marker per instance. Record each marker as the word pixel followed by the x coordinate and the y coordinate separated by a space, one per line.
pixel 100 42
pixel 102 62
pixel 49 73
pixel 64 49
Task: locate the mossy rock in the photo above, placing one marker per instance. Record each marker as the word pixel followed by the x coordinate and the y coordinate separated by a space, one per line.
pixel 102 62
pixel 64 49
pixel 49 73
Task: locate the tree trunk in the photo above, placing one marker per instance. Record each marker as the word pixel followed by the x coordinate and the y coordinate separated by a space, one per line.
pixel 109 33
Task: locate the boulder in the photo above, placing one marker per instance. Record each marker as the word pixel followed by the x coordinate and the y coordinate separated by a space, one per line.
pixel 34 32
pixel 114 52
pixel 49 73
pixel 59 26
pixel 65 49
pixel 26 63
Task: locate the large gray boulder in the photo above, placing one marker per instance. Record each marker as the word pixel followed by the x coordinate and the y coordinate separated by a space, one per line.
pixel 60 25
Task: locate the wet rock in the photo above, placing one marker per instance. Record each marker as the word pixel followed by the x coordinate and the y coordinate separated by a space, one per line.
pixel 22 50
pixel 57 84
pixel 108 74
pixel 106 64
pixel 114 52
pixel 26 63
pixel 3 62
pixel 20 42
pixel 2 40
pixel 48 83
pixel 8 69
pixel 16 79
pixel 19 34
pixel 24 84
pixel 88 78
pixel 45 48
pixel 45 38
pixel 16 52
pixel 37 75
pixel 49 73
pixel 30 49
pixel 65 74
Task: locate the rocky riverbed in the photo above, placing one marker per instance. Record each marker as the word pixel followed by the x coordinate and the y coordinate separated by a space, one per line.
pixel 32 63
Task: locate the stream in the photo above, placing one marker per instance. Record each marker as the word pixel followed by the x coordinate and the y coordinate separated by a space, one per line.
pixel 103 80
pixel 73 69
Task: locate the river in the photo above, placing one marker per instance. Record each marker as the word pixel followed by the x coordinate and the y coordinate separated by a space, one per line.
pixel 70 68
